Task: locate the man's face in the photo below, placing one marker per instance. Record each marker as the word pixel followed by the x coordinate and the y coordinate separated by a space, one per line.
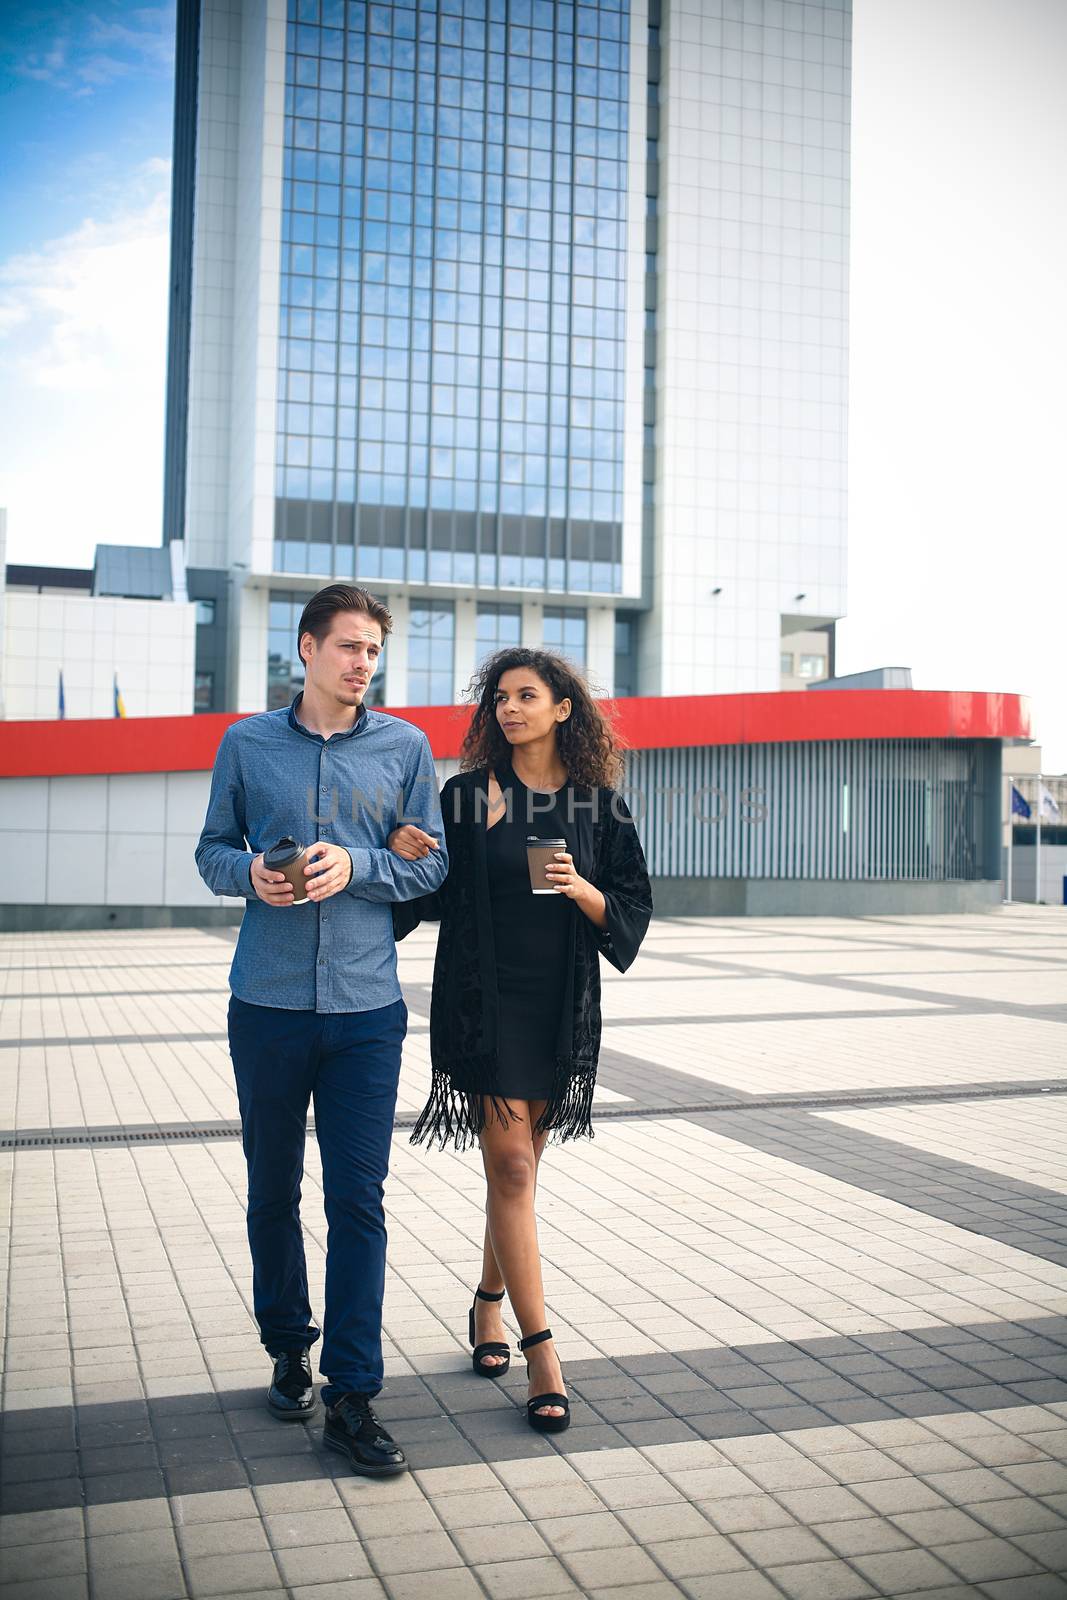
pixel 343 664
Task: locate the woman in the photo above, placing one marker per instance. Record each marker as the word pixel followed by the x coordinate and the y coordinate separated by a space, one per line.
pixel 515 1015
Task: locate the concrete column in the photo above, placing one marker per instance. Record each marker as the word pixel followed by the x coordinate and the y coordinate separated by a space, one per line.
pixel 600 648
pixel 466 649
pixel 251 610
pixel 395 654
pixel 533 624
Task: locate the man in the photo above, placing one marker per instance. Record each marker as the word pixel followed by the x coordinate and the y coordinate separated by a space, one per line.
pixel 316 1009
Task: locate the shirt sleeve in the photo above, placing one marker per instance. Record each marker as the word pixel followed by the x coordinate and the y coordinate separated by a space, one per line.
pixel 222 855
pixel 379 874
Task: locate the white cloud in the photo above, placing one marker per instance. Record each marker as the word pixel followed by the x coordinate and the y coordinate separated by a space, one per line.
pixel 83 325
pixel 88 50
pixel 957 548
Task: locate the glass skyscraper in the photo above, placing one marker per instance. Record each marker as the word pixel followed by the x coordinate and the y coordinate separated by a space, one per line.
pixel 500 307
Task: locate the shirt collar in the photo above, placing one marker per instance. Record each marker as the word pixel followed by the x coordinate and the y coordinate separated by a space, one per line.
pixel 298 727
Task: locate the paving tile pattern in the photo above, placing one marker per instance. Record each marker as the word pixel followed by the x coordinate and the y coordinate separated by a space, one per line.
pixel 815 1349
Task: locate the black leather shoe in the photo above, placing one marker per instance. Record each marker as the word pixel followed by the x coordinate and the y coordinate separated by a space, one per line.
pixel 291 1396
pixel 353 1430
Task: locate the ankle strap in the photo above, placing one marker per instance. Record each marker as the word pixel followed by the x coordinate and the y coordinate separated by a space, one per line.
pixel 483 1294
pixel 535 1338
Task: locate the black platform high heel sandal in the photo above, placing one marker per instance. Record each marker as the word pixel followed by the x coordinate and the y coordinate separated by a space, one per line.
pixel 492 1347
pixel 534 1416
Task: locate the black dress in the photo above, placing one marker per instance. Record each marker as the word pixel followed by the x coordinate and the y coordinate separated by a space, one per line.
pixel 531 940
pixel 465 1053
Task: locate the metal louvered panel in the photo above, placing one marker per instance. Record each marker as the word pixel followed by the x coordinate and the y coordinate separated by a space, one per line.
pixel 859 809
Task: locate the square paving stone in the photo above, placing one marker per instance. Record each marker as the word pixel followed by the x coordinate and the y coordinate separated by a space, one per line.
pixel 484 1545
pixel 475 1509
pixel 947 1526
pixel 40 1527
pixel 595 1530
pixel 453 1583
pixel 871 1536
pixel 1012 1517
pixel 57 1558
pixel 517 1580
pixel 1050 1549
pixel 1047 1586
pixel 695 1557
pixel 610 1568
pixel 822 1580
pixel 294 1528
pixel 72 1587
pixel 822 1505
pixel 162 1580
pixel 893 1495
pixel 414 1553
pixel 401 1518
pixel 749 1585
pixel 897 1571
pixel 779 1546
pixel 130 1549
pixel 641 1489
pixel 984 1559
pixel 331 1563
pixel 222 1538
pixel 658 1523
pixel 232 1574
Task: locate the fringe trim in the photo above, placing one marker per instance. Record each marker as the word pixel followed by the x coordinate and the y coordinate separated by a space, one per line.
pixel 569 1112
pixel 457 1116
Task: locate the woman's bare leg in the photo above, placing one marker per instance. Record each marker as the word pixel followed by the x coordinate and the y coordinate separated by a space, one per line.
pixel 488 1318
pixel 510 1161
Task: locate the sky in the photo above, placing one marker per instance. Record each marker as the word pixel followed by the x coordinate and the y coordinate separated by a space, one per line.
pixel 958 407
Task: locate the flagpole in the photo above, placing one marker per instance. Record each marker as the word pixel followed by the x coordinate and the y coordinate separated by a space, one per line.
pixel 1037 853
pixel 1011 830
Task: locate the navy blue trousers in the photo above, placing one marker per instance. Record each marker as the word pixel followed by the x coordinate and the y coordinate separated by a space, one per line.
pixel 348 1063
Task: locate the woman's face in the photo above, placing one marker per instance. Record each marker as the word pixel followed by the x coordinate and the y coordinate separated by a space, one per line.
pixel 525 708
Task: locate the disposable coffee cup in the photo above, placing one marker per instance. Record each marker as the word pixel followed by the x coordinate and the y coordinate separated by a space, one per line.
pixel 541 854
pixel 290 859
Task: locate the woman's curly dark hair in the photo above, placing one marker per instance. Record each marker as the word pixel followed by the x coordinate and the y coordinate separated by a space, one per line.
pixel 586 742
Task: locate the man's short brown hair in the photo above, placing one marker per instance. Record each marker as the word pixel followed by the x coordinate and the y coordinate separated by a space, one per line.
pixel 317 616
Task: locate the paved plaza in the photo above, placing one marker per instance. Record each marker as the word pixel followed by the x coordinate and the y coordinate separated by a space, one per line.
pixel 808 1283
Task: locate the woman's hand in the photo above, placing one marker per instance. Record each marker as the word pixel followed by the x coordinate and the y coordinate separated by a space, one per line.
pixel 563 876
pixel 329 870
pixel 411 843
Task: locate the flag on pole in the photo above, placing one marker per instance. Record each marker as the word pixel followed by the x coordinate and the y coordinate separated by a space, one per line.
pixel 1046 805
pixel 120 705
pixel 1019 807
pixel 62 697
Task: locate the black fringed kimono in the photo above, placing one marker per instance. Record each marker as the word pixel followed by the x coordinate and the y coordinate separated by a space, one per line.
pixel 603 841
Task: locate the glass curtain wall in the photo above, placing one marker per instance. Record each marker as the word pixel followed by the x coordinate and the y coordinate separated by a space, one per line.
pixel 431 652
pixel 452 292
pixel 565 632
pixel 497 627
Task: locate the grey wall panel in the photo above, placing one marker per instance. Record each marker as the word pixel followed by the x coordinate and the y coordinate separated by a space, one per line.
pixel 892 809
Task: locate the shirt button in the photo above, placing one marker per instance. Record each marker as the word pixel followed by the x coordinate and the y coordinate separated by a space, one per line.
pixel 323 789
pixel 322 961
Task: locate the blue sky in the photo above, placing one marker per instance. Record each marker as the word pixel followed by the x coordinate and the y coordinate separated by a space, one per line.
pixel 86 98
pixel 958 408
pixel 86 107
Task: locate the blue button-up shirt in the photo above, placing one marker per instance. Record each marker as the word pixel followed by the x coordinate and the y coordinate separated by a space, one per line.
pixel 275 777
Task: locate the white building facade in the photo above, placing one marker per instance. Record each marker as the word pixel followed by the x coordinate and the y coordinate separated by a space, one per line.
pixel 530 316
pixel 65 649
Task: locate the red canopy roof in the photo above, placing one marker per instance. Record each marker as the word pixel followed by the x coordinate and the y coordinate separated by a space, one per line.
pixel 188 744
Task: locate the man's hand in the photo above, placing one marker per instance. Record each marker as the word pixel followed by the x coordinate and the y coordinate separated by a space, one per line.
pixel 272 887
pixel 411 843
pixel 328 870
